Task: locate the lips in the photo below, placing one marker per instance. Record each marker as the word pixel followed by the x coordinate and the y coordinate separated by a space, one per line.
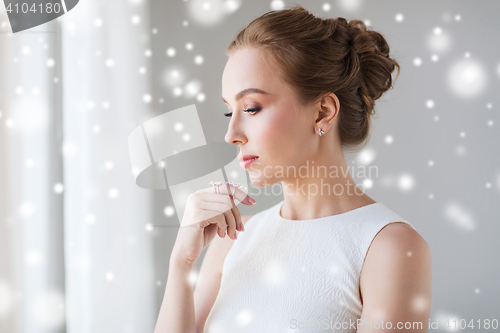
pixel 247 160
pixel 246 163
pixel 244 157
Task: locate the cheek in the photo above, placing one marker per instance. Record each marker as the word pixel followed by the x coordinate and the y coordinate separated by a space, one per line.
pixel 282 133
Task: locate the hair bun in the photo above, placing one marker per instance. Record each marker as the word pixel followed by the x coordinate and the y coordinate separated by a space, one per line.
pixel 375 65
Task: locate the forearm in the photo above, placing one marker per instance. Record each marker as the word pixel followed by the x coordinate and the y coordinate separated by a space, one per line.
pixel 177 308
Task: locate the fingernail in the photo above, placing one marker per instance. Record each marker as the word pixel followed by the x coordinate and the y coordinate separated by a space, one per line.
pixel 242 226
pixel 235 235
pixel 252 200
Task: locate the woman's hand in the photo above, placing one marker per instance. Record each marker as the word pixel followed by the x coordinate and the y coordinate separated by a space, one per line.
pixel 208 213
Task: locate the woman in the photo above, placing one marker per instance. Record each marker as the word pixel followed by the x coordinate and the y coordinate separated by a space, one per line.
pixel 300 90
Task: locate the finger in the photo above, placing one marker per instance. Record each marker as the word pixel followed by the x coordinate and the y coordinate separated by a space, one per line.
pixel 236 216
pixel 217 219
pixel 239 194
pixel 226 199
pixel 231 220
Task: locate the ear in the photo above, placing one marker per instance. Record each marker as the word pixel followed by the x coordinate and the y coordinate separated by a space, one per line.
pixel 327 111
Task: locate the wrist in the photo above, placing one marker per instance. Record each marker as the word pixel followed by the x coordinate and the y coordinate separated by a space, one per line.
pixel 181 261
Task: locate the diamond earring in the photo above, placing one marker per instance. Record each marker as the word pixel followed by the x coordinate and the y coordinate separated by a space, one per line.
pixel 320 132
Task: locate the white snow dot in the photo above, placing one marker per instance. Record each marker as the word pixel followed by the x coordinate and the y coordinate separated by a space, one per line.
pixel 178 127
pixel 185 23
pixel 431 196
pixel 388 139
pixel 192 277
pixel 458 17
pixel 110 276
pixel 436 118
pixel 58 188
pixel 399 17
pixel 460 150
pixel 135 19
pixel 26 209
pixel 417 61
pixel 429 104
pixel 488 185
pixel 326 7
pixel 170 51
pixel 244 318
pixel 110 62
pixel 96 128
pixel 277 4
pixel 169 211
pixel 434 57
pixel 50 62
pixel 438 31
pixel 147 98
pixel 90 219
pixel 198 60
pixel 69 149
pixel 462 134
pixel 490 122
pixel 108 165
pixel 467 78
pixel 368 183
pixel 200 97
pixel 467 54
pixel 189 46
pixel 489 105
pixel 431 163
pixel 98 22
pixel 113 193
pixel 142 70
pixel 186 137
pixel 405 182
pixel 148 53
pixel 366 156
pixel 177 91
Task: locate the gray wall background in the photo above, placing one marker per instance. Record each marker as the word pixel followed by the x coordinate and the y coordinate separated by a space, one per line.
pixel 441 171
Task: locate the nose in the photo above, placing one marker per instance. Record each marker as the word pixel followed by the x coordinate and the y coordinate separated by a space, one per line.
pixel 234 133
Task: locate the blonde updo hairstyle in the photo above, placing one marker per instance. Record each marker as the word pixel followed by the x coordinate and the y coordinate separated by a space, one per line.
pixel 316 56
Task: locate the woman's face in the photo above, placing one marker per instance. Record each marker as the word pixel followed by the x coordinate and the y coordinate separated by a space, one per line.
pixel 281 132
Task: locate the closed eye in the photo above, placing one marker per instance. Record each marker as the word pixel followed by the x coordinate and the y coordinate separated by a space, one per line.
pixel 250 111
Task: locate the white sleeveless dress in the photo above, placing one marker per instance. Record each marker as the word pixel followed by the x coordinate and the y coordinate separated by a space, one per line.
pixel 296 275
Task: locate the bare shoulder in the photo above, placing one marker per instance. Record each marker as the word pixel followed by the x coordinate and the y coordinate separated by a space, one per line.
pixel 398 238
pixel 398 260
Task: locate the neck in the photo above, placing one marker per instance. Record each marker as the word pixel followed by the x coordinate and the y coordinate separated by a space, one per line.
pixel 321 188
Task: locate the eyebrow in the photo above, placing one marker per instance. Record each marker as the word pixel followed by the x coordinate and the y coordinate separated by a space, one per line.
pixel 246 92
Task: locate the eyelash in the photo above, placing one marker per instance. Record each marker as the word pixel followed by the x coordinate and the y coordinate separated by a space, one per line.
pixel 250 111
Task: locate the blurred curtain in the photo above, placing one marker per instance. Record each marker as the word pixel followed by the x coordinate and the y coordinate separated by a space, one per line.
pixel 75 251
